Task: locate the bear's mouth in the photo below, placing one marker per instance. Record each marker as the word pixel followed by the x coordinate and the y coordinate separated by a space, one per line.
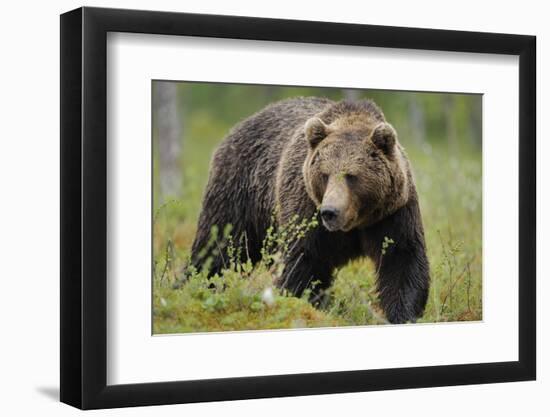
pixel 330 226
pixel 338 226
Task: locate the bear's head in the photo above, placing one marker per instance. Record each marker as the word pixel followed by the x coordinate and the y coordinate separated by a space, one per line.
pixel 355 172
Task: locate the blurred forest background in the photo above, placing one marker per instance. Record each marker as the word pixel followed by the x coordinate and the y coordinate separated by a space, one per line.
pixel 442 135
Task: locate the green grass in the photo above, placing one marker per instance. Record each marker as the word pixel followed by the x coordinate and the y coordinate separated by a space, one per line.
pixel 450 188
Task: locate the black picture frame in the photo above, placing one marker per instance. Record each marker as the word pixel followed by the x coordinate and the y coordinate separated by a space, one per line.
pixel 84 207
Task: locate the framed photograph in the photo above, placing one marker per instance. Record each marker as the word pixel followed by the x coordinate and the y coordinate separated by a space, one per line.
pixel 257 208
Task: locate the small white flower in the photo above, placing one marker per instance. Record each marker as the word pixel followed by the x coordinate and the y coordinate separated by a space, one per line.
pixel 267 297
pixel 163 302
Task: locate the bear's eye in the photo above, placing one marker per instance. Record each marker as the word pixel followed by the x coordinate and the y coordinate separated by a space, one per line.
pixel 351 179
pixel 324 177
pixel 373 154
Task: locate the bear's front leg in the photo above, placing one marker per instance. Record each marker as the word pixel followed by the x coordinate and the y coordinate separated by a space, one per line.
pixel 301 272
pixel 403 284
pixel 402 266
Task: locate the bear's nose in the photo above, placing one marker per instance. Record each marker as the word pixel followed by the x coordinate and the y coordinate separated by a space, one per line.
pixel 329 213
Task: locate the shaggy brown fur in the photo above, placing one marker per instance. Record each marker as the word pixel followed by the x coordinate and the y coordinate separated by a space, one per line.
pixel 341 160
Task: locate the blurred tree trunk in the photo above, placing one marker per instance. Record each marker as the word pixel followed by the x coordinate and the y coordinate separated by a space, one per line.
pixel 475 122
pixel 352 95
pixel 168 129
pixel 449 109
pixel 417 120
pixel 269 92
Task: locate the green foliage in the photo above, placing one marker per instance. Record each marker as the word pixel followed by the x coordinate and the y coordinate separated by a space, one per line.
pixel 442 136
pixel 386 244
pixel 243 297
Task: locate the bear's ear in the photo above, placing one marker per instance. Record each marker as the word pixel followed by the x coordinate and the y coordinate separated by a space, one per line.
pixel 315 130
pixel 384 137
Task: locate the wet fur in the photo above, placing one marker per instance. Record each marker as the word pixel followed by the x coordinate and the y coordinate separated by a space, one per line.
pixel 261 167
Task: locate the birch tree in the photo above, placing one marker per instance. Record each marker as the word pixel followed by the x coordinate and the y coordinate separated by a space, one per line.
pixel 168 132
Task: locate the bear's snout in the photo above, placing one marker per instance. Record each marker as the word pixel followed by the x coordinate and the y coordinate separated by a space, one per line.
pixel 334 208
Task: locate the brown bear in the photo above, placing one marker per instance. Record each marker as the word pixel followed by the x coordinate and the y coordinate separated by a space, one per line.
pixel 340 161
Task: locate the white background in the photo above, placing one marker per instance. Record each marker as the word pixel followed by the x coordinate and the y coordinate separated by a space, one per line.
pixel 29 219
pixel 134 356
